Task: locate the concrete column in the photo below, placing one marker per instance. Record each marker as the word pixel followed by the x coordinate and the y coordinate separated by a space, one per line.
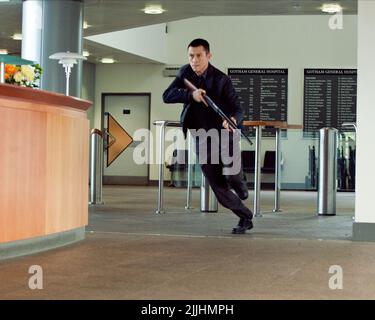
pixel 364 225
pixel 49 27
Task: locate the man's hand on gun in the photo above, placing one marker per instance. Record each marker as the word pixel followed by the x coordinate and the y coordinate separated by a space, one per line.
pixel 198 96
pixel 227 126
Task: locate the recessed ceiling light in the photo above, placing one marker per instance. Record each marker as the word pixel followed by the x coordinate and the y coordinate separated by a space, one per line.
pixel 86 25
pixel 107 60
pixel 331 8
pixel 17 36
pixel 3 51
pixel 153 9
pixel 85 53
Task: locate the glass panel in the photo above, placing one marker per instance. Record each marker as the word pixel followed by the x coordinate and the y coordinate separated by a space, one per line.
pixel 346 160
pixel 299 161
pixel 177 160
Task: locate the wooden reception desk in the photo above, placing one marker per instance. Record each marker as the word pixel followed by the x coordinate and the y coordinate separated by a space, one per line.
pixel 43 170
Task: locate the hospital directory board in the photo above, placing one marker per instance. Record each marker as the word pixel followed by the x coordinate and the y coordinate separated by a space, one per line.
pixel 263 94
pixel 330 99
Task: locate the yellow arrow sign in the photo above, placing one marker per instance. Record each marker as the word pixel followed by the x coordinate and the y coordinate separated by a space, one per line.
pixel 121 140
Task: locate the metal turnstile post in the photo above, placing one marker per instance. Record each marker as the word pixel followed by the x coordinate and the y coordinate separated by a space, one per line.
pixel 277 171
pixel 258 140
pixel 160 208
pixel 190 171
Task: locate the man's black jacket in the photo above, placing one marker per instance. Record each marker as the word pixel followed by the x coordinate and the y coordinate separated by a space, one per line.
pixel 218 87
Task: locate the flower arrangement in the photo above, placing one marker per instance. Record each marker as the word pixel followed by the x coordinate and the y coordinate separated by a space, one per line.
pixel 25 76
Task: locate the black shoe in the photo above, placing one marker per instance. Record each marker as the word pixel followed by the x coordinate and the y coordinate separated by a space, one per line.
pixel 243 225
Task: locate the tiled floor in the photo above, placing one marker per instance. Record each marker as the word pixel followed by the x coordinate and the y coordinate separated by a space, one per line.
pixel 132 253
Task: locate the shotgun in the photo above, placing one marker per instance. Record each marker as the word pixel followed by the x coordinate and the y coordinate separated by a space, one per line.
pixel 209 103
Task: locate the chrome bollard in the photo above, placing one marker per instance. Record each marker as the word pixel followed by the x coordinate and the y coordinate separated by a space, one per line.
pixel 96 167
pixel 208 198
pixel 327 184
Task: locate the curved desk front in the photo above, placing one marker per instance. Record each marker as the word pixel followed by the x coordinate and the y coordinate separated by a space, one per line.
pixel 43 170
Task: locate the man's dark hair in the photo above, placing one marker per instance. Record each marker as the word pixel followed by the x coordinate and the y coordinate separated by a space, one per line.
pixel 200 42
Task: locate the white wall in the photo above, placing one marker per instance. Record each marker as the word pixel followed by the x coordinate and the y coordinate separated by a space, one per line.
pixel 365 175
pixel 293 42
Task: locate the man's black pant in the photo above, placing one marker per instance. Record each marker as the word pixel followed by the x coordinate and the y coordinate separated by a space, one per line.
pixel 219 156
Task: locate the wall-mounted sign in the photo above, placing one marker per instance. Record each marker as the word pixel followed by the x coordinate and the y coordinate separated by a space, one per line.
pixel 330 99
pixel 118 140
pixel 263 94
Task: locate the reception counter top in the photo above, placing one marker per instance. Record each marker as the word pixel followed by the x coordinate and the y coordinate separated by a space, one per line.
pixel 43 170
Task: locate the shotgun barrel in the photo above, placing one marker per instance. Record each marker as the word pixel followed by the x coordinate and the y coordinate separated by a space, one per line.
pixel 208 102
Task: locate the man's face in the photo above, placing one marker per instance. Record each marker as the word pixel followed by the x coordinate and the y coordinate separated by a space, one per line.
pixel 198 59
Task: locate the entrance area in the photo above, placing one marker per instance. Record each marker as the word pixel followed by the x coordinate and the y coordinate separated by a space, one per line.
pixel 131 112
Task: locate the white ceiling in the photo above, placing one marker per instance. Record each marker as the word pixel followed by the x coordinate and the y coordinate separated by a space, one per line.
pixel 113 15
